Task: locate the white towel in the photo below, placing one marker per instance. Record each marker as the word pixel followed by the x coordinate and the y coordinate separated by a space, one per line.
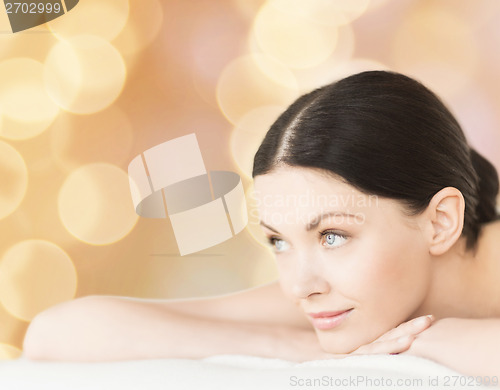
pixel 232 372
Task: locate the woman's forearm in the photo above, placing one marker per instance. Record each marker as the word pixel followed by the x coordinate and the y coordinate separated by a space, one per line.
pixel 101 328
pixel 200 338
pixel 468 346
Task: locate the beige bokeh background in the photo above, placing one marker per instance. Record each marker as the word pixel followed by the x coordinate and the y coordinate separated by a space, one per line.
pixel 81 96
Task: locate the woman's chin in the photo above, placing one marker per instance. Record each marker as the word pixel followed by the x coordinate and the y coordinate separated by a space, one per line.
pixel 337 346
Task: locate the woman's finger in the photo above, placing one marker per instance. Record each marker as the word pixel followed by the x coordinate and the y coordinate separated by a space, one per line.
pixel 412 327
pixel 398 339
pixel 392 346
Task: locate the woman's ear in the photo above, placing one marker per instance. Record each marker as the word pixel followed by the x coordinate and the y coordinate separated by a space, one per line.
pixel 445 217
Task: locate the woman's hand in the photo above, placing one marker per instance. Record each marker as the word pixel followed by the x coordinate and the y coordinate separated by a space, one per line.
pixel 394 341
pixel 398 339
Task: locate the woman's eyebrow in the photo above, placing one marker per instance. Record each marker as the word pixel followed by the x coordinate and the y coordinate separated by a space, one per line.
pixel 316 220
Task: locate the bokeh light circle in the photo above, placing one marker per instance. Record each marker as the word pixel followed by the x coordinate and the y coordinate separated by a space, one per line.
pixel 84 74
pixel 293 39
pixel 27 109
pixel 9 352
pixel 95 204
pixel 252 81
pixel 143 25
pixel 324 73
pixel 34 275
pixel 324 12
pixel 102 18
pixel 14 179
pixel 248 134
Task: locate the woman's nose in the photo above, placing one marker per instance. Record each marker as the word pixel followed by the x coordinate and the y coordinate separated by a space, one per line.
pixel 309 279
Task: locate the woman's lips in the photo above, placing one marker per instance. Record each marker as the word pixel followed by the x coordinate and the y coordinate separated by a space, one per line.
pixel 328 319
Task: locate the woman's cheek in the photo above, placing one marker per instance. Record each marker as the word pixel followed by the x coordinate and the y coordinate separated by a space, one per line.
pixel 398 281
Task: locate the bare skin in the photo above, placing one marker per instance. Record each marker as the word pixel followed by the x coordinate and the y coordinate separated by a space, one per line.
pixel 104 328
pixel 458 288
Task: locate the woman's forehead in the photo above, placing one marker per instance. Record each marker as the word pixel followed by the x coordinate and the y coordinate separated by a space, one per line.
pixel 304 181
pixel 306 192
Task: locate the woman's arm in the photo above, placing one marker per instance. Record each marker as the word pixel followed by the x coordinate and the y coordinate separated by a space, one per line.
pixel 97 328
pixel 264 304
pixel 258 321
pixel 468 346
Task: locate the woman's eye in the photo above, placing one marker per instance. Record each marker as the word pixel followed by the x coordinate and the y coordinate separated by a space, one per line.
pixel 331 239
pixel 278 244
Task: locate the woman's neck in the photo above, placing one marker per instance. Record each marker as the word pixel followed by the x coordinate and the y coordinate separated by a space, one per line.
pixel 465 284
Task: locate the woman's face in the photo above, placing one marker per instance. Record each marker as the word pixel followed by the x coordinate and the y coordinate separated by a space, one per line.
pixel 359 253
